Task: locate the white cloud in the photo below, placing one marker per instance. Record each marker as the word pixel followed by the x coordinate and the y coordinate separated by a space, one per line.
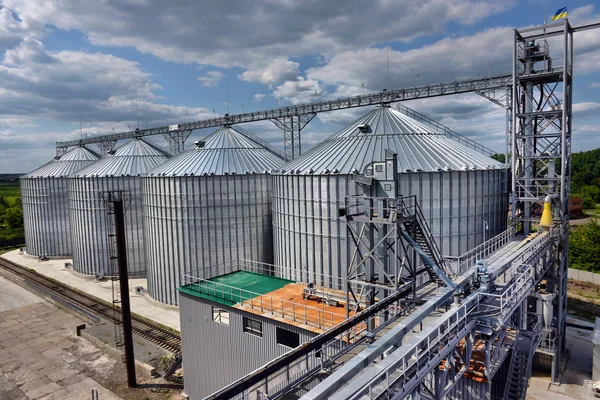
pixel 258 97
pixel 252 32
pixel 13 27
pixel 299 91
pixel 212 78
pixel 586 107
pixel 278 70
pixel 445 60
pixel 64 85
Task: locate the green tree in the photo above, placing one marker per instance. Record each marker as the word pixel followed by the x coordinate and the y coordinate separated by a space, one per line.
pixel 13 217
pixel 499 157
pixel 584 247
pixel 590 195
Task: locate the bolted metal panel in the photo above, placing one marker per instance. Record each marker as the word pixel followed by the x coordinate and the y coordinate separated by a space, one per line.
pixel 457 189
pixel 208 205
pixel 44 198
pixel 121 171
pixel 216 354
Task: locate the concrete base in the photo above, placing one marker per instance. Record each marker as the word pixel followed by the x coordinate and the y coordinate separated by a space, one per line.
pixel 576 379
pixel 55 269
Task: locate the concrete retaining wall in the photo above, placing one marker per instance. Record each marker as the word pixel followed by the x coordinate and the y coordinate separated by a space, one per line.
pixel 584 276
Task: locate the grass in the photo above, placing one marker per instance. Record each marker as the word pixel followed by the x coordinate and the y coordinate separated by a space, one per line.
pixel 10 190
pixel 584 300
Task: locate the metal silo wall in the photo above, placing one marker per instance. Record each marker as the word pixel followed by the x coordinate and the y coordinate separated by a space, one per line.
pixel 195 222
pixel 310 237
pixel 46 216
pixel 89 230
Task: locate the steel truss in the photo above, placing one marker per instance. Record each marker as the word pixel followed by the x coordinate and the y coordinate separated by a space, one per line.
pixel 293 118
pixel 432 361
pixel 540 155
pixel 292 128
pixel 176 141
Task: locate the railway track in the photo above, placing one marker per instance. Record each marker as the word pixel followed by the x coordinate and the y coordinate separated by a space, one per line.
pixel 88 304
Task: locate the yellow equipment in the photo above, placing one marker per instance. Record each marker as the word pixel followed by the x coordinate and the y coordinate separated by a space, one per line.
pixel 546 221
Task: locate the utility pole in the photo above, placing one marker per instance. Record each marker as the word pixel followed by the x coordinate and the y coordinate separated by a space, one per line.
pixel 124 285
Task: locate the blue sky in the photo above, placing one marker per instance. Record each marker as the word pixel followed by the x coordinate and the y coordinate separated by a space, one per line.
pixel 95 60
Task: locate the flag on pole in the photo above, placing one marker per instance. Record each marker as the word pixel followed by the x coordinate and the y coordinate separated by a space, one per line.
pixel 560 14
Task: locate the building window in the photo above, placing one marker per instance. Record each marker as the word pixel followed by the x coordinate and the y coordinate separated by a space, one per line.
pixel 288 338
pixel 220 315
pixel 253 327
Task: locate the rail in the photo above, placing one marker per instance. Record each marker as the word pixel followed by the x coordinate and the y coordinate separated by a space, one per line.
pixel 483 251
pixel 503 304
pixel 262 268
pixel 421 351
pixel 267 304
pixel 400 373
pixel 449 133
pixel 323 359
pixel 385 96
pixel 258 140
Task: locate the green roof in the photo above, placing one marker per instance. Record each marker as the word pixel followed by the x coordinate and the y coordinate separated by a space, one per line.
pixel 240 286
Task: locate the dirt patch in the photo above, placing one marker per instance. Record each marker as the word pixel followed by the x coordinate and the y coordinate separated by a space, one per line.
pixel 583 300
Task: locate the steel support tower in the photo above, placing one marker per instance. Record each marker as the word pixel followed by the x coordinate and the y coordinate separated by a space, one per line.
pixel 540 153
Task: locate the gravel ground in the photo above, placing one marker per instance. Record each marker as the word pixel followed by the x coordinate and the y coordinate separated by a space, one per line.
pixel 144 350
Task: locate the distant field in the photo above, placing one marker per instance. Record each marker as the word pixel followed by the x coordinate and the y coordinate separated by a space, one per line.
pixel 10 190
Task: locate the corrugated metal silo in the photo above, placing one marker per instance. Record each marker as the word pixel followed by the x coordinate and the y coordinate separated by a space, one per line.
pixel 44 198
pixel 457 188
pixel 206 206
pixel 120 171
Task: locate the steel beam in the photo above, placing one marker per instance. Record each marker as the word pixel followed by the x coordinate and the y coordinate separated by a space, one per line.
pixel 176 141
pixel 386 96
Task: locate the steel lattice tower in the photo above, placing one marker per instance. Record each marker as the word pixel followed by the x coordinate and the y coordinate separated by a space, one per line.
pixel 540 146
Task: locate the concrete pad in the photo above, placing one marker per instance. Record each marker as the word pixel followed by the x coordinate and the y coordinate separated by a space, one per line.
pixel 54 269
pixel 62 374
pixel 575 383
pixel 14 296
pixel 42 391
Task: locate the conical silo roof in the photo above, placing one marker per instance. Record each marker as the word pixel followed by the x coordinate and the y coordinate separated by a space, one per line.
pixel 419 148
pixel 226 151
pixel 134 158
pixel 62 166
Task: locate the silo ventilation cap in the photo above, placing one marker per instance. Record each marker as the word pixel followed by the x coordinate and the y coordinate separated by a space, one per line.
pixel 200 143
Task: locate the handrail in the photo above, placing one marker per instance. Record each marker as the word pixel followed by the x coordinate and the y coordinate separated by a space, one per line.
pixel 278 307
pixel 449 133
pixel 468 259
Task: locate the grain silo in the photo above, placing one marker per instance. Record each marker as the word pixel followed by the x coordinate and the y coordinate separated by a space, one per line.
pixel 44 199
pixel 208 205
pixel 120 171
pixel 459 190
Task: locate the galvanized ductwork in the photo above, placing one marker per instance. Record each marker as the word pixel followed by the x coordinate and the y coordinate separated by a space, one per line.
pixel 208 205
pixel 120 171
pixel 458 190
pixel 44 197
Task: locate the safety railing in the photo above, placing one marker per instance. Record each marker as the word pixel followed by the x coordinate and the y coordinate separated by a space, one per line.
pixel 548 341
pixel 503 304
pixel 402 370
pixel 323 358
pixel 406 366
pixel 449 133
pixel 483 251
pixel 301 274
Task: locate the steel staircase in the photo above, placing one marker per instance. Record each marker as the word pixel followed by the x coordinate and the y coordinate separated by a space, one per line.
pixel 416 228
pixel 520 365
